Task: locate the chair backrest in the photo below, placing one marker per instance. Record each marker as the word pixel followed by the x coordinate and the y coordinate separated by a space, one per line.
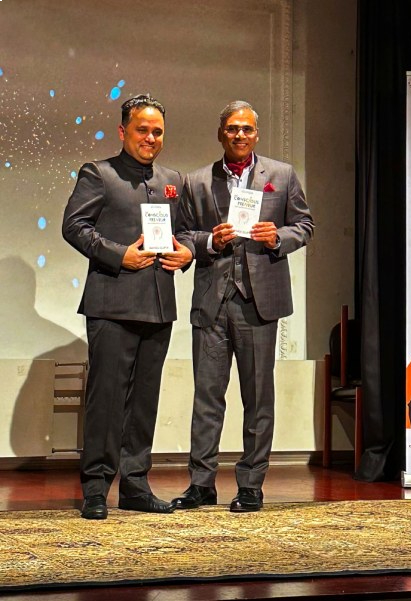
pixel 70 380
pixel 345 338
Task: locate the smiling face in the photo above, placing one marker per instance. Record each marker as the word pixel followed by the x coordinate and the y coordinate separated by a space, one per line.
pixel 239 146
pixel 143 135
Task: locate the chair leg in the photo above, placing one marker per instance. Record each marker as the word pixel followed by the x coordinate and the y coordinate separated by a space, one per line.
pixel 358 428
pixel 327 412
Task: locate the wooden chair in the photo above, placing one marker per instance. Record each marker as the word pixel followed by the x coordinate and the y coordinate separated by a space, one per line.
pixel 342 382
pixel 69 392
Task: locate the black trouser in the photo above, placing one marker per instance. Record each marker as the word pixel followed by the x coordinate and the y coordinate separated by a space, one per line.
pixel 126 360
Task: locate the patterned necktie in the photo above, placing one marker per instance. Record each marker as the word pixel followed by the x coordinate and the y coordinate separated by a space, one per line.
pixel 238 168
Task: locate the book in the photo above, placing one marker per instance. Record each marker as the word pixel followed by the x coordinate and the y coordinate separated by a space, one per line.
pixel 244 211
pixel 156 225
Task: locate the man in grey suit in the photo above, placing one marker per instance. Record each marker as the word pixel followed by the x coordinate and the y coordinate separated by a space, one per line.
pixel 130 305
pixel 241 289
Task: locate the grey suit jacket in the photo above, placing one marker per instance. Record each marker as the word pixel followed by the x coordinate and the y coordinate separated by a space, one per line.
pixel 205 204
pixel 102 218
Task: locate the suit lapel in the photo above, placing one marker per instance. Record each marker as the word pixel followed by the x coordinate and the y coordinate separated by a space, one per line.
pixel 257 179
pixel 219 189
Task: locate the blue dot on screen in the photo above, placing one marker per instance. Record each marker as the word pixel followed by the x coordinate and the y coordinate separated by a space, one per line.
pixel 1 72
pixel 7 164
pixel 42 223
pixel 73 174
pixel 41 261
pixel 115 93
pixel 79 120
pixel 99 135
pixel 52 93
pixel 121 83
pixel 75 283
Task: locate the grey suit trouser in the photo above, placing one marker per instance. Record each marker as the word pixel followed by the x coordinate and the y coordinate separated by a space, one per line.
pixel 238 330
pixel 126 361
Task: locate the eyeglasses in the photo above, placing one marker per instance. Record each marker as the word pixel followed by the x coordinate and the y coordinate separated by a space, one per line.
pixel 233 130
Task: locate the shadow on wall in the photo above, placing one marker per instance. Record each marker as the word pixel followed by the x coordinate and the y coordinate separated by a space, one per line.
pixel 26 335
pixel 23 332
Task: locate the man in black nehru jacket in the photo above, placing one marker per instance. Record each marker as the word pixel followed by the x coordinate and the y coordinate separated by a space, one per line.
pixel 129 302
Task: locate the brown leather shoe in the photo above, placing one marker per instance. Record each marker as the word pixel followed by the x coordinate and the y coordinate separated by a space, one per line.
pixel 247 499
pixel 195 496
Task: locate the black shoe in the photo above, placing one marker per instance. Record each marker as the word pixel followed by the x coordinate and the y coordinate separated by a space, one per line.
pixel 195 496
pixel 247 499
pixel 147 502
pixel 94 508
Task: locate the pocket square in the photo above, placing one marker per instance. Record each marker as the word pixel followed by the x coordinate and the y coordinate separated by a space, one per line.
pixel 170 191
pixel 269 187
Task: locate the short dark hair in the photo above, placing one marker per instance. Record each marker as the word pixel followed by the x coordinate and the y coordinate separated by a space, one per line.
pixel 139 101
pixel 233 107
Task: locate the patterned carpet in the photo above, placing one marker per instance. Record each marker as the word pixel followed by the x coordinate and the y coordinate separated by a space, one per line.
pixel 58 548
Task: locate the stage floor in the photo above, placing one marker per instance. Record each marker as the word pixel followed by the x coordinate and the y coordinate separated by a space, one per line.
pixel 21 490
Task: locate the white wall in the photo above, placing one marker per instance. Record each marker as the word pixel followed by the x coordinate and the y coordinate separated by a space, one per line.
pixel 324 61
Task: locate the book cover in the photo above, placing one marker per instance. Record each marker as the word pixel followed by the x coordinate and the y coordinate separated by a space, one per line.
pixel 244 211
pixel 156 224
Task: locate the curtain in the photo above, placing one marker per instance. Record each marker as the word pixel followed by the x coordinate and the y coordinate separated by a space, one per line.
pixel 383 57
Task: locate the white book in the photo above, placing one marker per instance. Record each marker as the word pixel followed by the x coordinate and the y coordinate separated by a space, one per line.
pixel 244 211
pixel 156 225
